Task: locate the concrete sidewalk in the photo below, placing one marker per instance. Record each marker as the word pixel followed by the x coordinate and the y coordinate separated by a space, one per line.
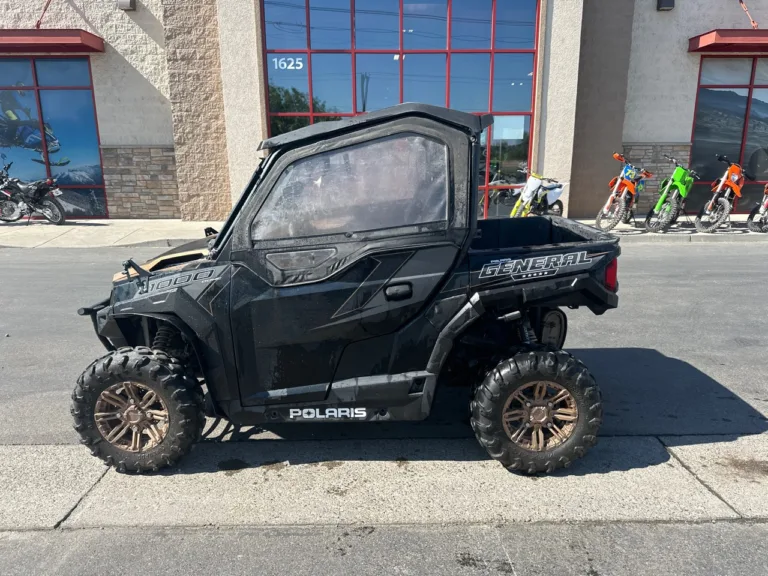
pixel 404 482
pixel 163 233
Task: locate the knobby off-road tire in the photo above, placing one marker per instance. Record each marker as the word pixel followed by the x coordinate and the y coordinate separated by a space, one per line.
pixel 754 223
pixel 561 371
pixel 149 371
pixel 607 222
pixel 663 220
pixel 54 211
pixel 723 207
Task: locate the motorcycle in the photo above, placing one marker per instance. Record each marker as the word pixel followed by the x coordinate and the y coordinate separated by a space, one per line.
pixel 18 199
pixel 538 198
pixel 725 192
pixel 625 191
pixel 673 192
pixel 757 221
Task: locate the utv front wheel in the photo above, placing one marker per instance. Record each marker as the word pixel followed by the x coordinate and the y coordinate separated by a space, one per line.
pixel 137 410
pixel 537 412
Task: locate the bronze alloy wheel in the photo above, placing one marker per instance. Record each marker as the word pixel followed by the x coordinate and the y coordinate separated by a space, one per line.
pixel 540 415
pixel 131 416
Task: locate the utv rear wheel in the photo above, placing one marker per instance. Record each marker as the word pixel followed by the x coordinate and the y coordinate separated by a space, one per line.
pixel 137 409
pixel 537 412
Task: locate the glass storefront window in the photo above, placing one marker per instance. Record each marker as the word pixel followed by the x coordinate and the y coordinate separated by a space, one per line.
pixel 285 24
pixel 63 142
pixel 371 54
pixel 377 81
pixel 509 149
pixel 424 24
pixel 377 24
pixel 332 82
pixel 329 24
pixel 470 82
pixel 731 119
pixel 424 78
pixel 471 23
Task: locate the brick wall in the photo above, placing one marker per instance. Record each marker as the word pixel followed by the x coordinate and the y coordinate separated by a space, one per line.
pixel 651 157
pixel 141 182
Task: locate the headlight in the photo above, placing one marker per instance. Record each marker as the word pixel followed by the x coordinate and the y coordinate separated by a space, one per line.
pixel 734 177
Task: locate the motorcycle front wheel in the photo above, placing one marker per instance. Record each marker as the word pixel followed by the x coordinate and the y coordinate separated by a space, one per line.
pixel 52 211
pixel 710 222
pixel 9 211
pixel 608 220
pixel 755 222
pixel 661 221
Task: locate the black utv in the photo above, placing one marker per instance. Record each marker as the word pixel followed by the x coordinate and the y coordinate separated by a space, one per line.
pixel 350 280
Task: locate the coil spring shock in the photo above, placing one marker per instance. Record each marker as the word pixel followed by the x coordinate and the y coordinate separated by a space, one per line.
pixel 527 334
pixel 163 337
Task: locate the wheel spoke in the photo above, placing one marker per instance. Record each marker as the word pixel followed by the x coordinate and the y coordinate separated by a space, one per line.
pixel 103 416
pixel 157 414
pixel 518 433
pixel 154 433
pixel 565 414
pixel 118 432
pixel 148 400
pixel 557 433
pixel 514 415
pixel 114 399
pixel 537 438
pixel 540 391
pixel 136 440
pixel 518 397
pixel 130 389
pixel 560 396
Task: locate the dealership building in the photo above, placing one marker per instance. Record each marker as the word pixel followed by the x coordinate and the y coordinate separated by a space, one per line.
pixel 156 108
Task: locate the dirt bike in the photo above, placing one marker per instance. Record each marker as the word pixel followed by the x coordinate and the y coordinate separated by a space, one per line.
pixel 725 192
pixel 19 199
pixel 538 198
pixel 625 191
pixel 673 192
pixel 757 221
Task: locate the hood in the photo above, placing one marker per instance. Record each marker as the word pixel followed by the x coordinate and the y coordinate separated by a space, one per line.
pixel 174 259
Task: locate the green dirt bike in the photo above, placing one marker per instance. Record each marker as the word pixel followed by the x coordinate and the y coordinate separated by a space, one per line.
pixel 673 192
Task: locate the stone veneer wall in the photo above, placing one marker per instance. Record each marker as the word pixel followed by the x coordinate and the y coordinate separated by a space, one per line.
pixel 140 182
pixel 651 157
pixel 199 128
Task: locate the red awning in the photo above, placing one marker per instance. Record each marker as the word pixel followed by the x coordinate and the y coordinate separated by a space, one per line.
pixel 730 41
pixel 49 40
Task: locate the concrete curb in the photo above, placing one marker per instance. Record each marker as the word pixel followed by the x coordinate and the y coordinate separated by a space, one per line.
pixel 646 238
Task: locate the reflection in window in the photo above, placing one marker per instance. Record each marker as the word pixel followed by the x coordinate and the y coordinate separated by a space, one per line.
pixel 516 24
pixel 424 24
pixel 62 72
pixel 471 23
pixel 377 81
pixel 286 24
pixel 424 78
pixel 726 71
pixel 510 136
pixel 377 24
pixel 73 144
pixel 719 126
pixel 20 138
pixel 399 180
pixel 470 75
pixel 329 24
pixel 332 82
pixel 761 72
pixel 756 151
pixel 512 82
pixel 288 85
pixel 282 124
pixel 79 202
pixel 15 72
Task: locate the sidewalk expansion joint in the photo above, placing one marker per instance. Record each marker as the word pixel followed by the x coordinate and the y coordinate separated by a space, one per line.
pixel 54 238
pixel 71 510
pixel 699 480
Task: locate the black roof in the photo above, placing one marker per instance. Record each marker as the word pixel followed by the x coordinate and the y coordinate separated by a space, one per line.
pixel 468 122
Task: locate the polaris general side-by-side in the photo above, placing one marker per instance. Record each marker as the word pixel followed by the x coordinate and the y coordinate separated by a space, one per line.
pixel 350 281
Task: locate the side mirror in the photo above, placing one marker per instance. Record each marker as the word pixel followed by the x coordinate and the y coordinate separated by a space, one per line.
pixel 721 158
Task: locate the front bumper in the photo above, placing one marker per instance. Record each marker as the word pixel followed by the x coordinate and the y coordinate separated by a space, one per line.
pixel 93 311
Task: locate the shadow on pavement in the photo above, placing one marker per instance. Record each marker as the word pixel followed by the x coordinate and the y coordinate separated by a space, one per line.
pixel 645 393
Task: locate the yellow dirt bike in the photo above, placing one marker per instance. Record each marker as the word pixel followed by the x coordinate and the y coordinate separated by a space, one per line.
pixel 538 198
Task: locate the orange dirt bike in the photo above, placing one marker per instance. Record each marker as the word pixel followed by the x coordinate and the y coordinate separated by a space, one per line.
pixel 625 190
pixel 757 221
pixel 725 191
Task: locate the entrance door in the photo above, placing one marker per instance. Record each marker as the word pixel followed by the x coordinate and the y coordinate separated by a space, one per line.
pixel 335 230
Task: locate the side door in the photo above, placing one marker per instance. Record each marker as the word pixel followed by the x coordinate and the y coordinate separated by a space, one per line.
pixel 343 240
